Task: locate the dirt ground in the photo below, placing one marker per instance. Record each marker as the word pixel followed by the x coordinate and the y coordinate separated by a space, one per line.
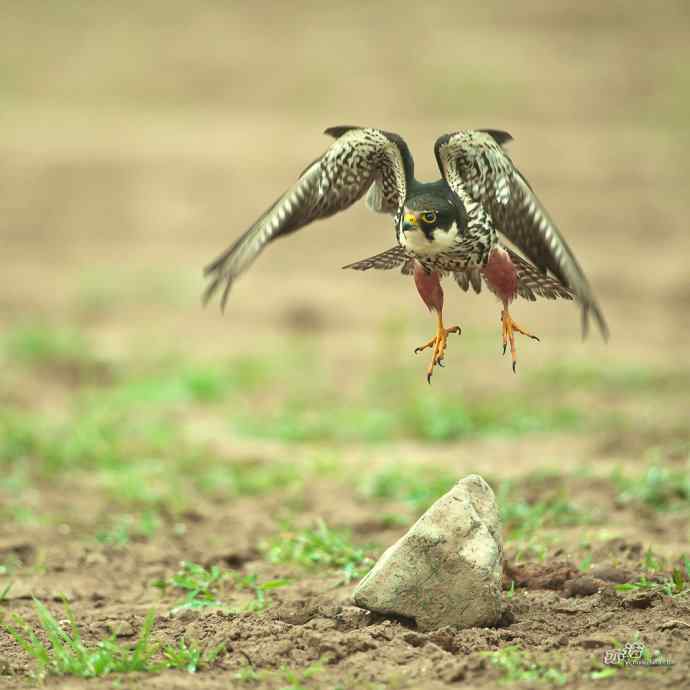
pixel 137 142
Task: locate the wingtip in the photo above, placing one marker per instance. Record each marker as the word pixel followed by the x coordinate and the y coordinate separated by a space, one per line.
pixel 500 136
pixel 211 289
pixel 598 317
pixel 338 131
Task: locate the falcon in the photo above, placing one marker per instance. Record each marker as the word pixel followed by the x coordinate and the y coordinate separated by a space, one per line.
pixel 458 225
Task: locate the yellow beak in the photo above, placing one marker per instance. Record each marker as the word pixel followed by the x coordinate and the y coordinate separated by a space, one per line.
pixel 410 222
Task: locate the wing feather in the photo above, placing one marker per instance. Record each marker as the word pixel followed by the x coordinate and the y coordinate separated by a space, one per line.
pixel 533 283
pixel 477 168
pixel 358 159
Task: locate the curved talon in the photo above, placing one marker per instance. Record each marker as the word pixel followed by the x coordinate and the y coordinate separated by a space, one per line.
pixel 508 330
pixel 438 345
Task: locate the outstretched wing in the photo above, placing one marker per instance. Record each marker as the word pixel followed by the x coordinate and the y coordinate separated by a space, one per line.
pixel 479 171
pixel 360 159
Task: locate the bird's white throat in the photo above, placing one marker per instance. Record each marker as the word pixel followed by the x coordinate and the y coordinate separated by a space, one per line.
pixel 418 243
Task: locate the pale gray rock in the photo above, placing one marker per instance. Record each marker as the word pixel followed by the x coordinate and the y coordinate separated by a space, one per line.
pixel 447 569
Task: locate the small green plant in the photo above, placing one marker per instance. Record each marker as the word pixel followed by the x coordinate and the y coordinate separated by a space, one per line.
pixel 319 546
pixel 677 583
pixel 642 583
pixel 247 674
pixel 201 588
pixel 41 345
pixel 652 563
pixel 518 667
pixel 585 564
pixel 296 678
pixel 5 591
pixel 259 589
pixel 198 583
pixel 659 487
pixel 189 656
pixel 127 527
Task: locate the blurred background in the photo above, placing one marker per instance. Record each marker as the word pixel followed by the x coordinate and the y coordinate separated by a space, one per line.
pixel 137 140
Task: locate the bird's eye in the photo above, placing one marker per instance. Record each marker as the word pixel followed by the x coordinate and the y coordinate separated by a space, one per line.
pixel 429 217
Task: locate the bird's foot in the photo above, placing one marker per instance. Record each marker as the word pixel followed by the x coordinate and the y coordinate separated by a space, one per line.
pixel 438 346
pixel 508 329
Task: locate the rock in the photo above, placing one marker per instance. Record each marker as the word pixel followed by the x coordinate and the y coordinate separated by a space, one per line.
pixel 447 569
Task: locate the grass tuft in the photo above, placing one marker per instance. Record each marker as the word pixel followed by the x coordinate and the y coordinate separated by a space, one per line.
pixel 66 654
pixel 405 417
pixel 200 586
pixel 523 517
pixel 517 666
pixel 416 488
pixel 41 345
pixel 660 487
pixel 319 547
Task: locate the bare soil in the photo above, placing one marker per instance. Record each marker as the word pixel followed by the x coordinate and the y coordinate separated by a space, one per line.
pixel 563 618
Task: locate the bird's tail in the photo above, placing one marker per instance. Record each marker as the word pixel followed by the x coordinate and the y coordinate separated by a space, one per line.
pixel 391 258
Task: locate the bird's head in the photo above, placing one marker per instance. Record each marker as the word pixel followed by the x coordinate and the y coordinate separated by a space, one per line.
pixel 429 215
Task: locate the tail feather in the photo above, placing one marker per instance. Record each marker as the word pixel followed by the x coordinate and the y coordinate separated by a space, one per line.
pixel 391 258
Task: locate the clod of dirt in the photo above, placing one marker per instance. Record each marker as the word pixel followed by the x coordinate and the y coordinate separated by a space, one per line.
pixel 673 623
pixel 583 586
pixel 596 641
pixel 352 617
pixel 641 600
pixel 23 551
pixel 611 574
pixel 447 569
pixel 551 575
pixel 120 628
pixel 296 612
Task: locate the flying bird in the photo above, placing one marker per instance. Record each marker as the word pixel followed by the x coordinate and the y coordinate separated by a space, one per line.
pixel 457 225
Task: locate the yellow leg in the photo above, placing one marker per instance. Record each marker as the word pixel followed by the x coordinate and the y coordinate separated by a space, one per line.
pixel 438 345
pixel 508 328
